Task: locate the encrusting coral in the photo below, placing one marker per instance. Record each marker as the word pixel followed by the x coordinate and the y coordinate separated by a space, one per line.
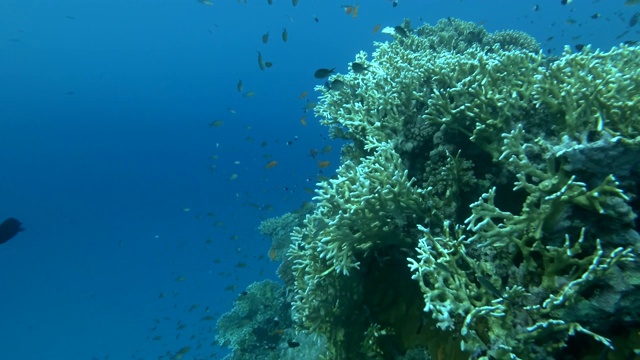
pixel 486 204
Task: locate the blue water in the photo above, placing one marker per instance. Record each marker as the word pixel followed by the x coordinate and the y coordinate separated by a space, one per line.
pixel 133 231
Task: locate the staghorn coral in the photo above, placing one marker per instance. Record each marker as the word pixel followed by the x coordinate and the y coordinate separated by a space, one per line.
pixel 476 213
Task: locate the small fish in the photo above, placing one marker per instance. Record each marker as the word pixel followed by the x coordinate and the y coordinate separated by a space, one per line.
pixel 313 153
pixel 315 18
pixel 401 31
pixel 216 123
pixel 323 164
pixel 207 318
pixel 634 19
pixel 294 2
pixel 309 106
pixel 180 278
pixel 9 228
pixel 303 95
pixel 293 344
pixel 536 7
pixel 355 11
pixel 206 2
pixel 233 177
pixel 268 64
pixel 181 353
pixel 272 254
pixel 285 35
pixel 376 28
pixel 489 286
pixel 348 9
pixel 335 85
pixel 631 2
pixel 239 86
pixel 265 38
pixel 271 164
pixel 303 121
pixel 327 149
pixel 358 68
pixel 566 2
pixel 596 16
pixel 579 47
pixel 249 94
pixel 232 110
pixel 442 267
pixel 261 62
pixel 270 2
pixel 395 3
pixel 323 73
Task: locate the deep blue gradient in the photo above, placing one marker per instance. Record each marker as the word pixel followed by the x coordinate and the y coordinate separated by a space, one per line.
pixel 105 153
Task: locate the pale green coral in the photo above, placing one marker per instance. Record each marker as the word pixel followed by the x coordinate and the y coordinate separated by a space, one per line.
pixel 593 91
pixel 362 209
pixel 471 157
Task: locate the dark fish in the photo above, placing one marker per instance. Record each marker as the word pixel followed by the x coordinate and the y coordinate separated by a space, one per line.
pixel 401 31
pixel 323 73
pixel 565 2
pixel 634 19
pixel 596 16
pixel 358 68
pixel 630 42
pixel 9 228
pixel 293 344
pixel 579 47
pixel 335 85
pixel 489 286
pixel 261 63
pixel 442 267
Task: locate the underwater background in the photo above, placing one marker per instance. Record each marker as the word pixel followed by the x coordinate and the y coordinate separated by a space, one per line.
pixel 141 145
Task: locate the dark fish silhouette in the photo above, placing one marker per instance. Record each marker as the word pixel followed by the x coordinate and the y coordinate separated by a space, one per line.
pixel 9 228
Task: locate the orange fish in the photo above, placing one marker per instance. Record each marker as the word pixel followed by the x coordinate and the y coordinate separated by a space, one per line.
pixel 303 95
pixel 271 164
pixel 272 254
pixel 376 28
pixel 303 121
pixel 278 331
pixel 323 164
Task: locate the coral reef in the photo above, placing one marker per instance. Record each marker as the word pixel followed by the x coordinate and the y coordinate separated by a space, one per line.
pixel 486 204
